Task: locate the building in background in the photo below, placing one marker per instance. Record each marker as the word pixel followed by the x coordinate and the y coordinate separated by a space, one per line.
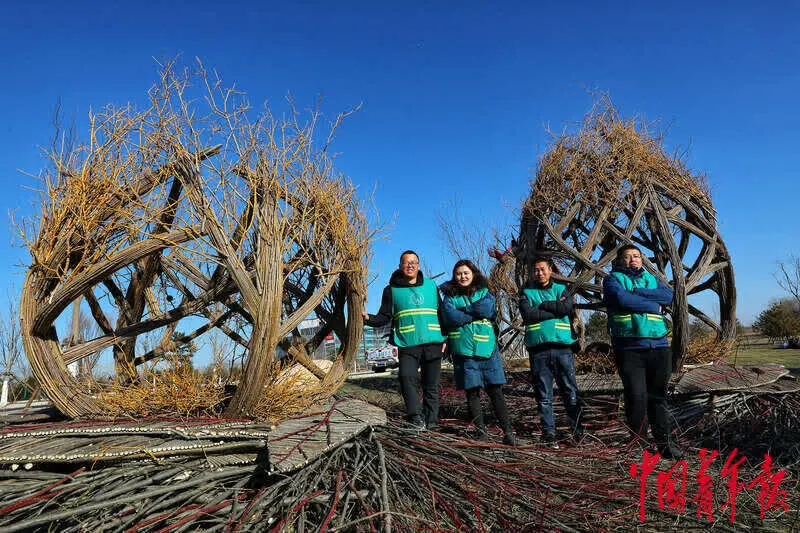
pixel 373 339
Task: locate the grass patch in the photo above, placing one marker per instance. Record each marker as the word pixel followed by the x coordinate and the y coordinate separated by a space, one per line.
pixel 753 349
pixel 765 353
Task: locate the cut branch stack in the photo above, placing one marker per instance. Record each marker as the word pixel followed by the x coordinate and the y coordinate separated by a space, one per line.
pixel 394 478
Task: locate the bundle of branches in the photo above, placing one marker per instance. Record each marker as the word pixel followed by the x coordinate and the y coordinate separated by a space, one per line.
pixel 501 277
pixel 606 160
pixel 597 358
pixel 753 424
pixel 709 349
pixel 287 395
pixel 395 478
pixel 611 183
pixel 172 388
pixel 193 206
pixel 503 284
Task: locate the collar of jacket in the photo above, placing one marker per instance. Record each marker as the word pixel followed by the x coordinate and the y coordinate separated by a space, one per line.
pixel 532 284
pixel 449 288
pixel 630 272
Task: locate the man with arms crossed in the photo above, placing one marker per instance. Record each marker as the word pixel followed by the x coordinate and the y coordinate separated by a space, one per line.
pixel 545 308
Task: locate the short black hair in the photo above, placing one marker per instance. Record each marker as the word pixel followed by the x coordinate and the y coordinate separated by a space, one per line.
pixel 543 259
pixel 627 247
pixel 407 252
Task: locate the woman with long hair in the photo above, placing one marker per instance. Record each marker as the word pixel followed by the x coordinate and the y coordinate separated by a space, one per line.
pixel 467 313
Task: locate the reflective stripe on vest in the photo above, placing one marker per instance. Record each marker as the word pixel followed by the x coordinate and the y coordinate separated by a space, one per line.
pixel 421 311
pixel 553 331
pixel 415 315
pixel 636 325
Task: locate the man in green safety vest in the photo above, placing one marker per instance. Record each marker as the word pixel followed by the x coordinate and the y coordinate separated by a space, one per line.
pixel 545 307
pixel 635 301
pixel 411 303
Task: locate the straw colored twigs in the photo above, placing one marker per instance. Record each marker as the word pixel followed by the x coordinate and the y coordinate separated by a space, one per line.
pixel 193 204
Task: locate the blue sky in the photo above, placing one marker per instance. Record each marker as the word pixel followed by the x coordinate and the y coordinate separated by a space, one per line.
pixel 456 97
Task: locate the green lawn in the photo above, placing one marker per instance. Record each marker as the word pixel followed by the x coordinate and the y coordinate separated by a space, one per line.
pixel 759 351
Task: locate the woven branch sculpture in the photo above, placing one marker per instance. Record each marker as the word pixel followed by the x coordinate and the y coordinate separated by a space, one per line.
pixel 194 207
pixel 609 184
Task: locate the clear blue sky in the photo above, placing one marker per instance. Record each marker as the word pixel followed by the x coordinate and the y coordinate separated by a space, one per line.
pixel 455 98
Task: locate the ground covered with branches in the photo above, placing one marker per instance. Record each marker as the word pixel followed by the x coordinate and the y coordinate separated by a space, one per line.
pixel 391 478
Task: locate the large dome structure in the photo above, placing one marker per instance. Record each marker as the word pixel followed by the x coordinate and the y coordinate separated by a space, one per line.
pixel 190 214
pixel 611 183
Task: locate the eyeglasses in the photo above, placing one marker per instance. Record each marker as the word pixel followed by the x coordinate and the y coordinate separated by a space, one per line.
pixel 409 263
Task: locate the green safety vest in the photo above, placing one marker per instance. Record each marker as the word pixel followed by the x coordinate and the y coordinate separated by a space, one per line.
pixel 623 324
pixel 553 331
pixel 416 316
pixel 475 339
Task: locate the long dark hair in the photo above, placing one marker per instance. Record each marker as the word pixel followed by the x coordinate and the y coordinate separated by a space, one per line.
pixel 479 281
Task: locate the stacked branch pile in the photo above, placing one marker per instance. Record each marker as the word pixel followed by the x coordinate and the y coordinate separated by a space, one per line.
pixel 392 478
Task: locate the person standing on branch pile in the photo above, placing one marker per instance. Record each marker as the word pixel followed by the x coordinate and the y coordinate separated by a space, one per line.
pixel 411 302
pixel 634 299
pixel 467 314
pixel 545 308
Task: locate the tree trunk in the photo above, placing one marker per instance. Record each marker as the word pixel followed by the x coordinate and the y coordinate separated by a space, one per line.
pixel 4 393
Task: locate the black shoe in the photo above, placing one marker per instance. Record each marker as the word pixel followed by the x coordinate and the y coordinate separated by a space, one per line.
pixel 510 439
pixel 578 435
pixel 670 451
pixel 417 423
pixel 549 440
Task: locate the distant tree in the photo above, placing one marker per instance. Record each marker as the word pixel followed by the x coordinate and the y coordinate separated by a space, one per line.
pixel 469 237
pixel 220 345
pixel 596 328
pixel 739 328
pixel 82 328
pixel 779 321
pixel 698 329
pixel 180 349
pixel 788 276
pixel 11 351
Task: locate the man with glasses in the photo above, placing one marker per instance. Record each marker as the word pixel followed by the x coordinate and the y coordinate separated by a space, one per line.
pixel 411 303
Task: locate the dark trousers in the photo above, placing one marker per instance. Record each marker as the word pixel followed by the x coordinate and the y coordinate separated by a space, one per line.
pixel 495 394
pixel 427 360
pixel 645 376
pixel 558 364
